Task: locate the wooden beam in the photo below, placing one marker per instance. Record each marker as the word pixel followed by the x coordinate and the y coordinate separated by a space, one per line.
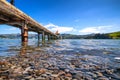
pixel 4 18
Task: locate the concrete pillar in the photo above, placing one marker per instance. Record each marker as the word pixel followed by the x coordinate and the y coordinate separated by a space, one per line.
pixel 43 37
pixel 24 34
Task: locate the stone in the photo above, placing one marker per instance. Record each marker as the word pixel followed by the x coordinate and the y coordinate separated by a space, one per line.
pixel 18 70
pixel 1 78
pixel 54 75
pixel 56 78
pixel 40 71
pixel 28 77
pixel 26 70
pixel 102 78
pixel 39 78
pixel 99 74
pixel 109 71
pixel 78 76
pixel 67 70
pixel 61 73
pixel 32 79
pixel 68 75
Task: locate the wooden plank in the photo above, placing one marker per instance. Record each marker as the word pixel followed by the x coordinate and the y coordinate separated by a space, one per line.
pixel 4 18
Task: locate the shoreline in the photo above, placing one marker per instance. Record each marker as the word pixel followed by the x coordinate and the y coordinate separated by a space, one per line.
pixel 45 65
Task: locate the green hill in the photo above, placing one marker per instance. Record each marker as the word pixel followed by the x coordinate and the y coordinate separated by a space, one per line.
pixel 115 35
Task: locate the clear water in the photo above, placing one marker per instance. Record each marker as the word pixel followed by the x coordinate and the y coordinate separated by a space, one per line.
pixel 106 48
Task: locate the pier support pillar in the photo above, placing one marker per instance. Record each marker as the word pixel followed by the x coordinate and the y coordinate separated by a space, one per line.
pixel 43 37
pixel 51 37
pixel 48 37
pixel 24 34
pixel 54 37
pixel 38 37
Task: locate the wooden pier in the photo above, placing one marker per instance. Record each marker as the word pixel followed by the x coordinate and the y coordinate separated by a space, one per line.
pixel 12 16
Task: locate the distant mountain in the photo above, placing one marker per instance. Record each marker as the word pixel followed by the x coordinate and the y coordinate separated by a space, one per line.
pixel 16 36
pixel 10 36
pixel 113 35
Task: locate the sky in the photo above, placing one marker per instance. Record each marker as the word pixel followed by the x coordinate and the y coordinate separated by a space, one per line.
pixel 71 16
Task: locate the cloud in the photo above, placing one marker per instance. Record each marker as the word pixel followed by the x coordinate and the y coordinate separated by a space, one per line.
pixel 61 29
pixel 11 29
pixel 99 29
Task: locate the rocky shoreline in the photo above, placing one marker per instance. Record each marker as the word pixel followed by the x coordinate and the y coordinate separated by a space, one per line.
pixel 44 65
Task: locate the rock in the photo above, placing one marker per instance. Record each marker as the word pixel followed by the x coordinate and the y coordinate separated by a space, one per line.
pixel 1 78
pixel 78 76
pixel 109 71
pixel 92 74
pixel 56 78
pixel 55 71
pixel 54 75
pixel 106 52
pixel 32 79
pixel 67 70
pixel 99 74
pixel 88 77
pixel 68 75
pixel 74 79
pixel 102 78
pixel 3 63
pixel 13 67
pixel 40 78
pixel 18 70
pixel 97 67
pixel 26 70
pixel 66 78
pixel 61 73
pixel 39 72
pixel 48 73
pixel 42 71
pixel 28 77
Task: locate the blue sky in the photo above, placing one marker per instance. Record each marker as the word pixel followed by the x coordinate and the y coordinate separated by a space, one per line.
pixel 71 16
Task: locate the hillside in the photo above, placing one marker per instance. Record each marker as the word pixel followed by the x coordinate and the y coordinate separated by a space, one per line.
pixel 114 35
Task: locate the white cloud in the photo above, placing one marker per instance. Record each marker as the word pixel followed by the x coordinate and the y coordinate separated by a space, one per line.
pixel 98 29
pixel 61 29
pixel 11 29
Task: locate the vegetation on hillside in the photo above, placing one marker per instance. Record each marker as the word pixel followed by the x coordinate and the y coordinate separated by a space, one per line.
pixel 114 35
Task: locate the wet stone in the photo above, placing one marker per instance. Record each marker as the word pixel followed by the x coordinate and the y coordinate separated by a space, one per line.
pixel 99 74
pixel 50 66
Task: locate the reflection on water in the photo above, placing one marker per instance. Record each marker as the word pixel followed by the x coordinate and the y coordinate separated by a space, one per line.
pixel 10 46
pixel 105 47
pixel 78 55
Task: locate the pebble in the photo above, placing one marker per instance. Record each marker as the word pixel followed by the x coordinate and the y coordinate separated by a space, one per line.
pixel 38 66
pixel 102 78
pixel 99 74
pixel 109 71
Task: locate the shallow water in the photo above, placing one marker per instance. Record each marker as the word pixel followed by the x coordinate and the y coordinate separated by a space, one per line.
pixel 106 48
